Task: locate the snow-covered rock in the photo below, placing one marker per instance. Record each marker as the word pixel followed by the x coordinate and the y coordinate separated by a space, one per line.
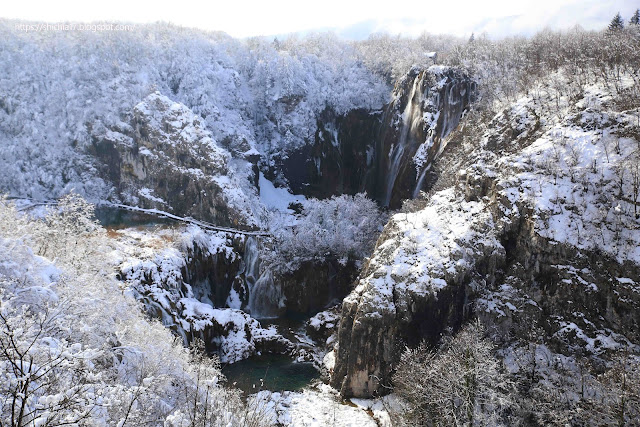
pixel 186 279
pixel 167 159
pixel 535 234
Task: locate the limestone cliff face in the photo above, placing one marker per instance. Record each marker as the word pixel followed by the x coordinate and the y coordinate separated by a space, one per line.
pixel 473 251
pixel 166 159
pixel 531 238
pixel 162 156
pixel 341 159
pixel 383 153
pixel 416 285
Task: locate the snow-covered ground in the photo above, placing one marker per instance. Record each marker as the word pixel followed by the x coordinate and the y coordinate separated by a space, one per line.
pixel 321 406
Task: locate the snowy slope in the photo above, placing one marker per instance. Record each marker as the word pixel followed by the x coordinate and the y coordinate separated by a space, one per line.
pixel 59 88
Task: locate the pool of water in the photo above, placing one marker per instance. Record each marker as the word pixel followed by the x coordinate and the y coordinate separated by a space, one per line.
pixel 270 372
pixel 116 218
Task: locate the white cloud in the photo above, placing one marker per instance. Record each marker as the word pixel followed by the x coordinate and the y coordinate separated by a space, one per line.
pixel 355 19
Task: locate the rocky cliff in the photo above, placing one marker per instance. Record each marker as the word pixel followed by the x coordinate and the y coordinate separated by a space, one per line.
pixel 165 158
pixel 537 237
pixel 162 156
pixel 383 153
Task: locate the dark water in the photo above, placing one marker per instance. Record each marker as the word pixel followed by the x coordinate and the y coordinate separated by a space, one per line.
pixel 278 373
pixel 110 217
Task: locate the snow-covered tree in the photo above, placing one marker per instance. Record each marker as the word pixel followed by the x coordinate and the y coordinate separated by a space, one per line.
pixel 75 348
pixel 616 23
pixel 342 226
pixel 462 383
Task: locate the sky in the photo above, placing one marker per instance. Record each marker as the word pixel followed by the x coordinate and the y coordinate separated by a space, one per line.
pixel 353 19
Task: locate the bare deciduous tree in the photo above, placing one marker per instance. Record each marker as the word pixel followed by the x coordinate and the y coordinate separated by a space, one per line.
pixel 462 383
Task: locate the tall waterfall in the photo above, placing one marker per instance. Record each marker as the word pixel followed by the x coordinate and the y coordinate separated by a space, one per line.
pixel 410 118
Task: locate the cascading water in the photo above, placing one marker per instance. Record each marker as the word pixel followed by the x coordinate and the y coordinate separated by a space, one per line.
pixel 251 262
pixel 265 298
pixel 436 101
pixel 423 175
pixel 410 117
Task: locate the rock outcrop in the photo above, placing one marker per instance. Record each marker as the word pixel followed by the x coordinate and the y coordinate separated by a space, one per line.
pixel 196 287
pixel 525 240
pixel 416 285
pixel 166 159
pixel 341 157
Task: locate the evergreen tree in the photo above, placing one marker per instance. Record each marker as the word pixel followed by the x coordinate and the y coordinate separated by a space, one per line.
pixel 635 19
pixel 616 23
pixel 472 38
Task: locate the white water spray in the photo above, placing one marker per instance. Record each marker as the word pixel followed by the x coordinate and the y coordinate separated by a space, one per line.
pixel 410 117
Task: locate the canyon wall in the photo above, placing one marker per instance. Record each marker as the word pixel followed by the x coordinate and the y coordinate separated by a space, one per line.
pixel 387 153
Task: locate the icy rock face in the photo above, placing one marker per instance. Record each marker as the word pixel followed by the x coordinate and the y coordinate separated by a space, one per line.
pixel 384 153
pixel 166 159
pixel 340 159
pixel 196 290
pixel 427 105
pixel 316 283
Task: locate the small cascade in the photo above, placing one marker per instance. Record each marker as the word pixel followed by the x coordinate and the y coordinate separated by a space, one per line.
pixel 410 117
pixel 265 298
pixel 420 183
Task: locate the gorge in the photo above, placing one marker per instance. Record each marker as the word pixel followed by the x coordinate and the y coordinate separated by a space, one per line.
pixel 182 206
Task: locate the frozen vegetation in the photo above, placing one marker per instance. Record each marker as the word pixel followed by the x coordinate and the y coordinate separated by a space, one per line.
pixel 76 350
pixel 61 91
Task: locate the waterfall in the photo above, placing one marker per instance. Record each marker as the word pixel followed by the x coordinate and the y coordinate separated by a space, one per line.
pixel 251 262
pixel 265 298
pixel 423 175
pixel 396 154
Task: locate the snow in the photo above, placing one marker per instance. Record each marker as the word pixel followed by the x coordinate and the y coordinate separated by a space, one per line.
pixel 277 198
pixel 147 193
pixel 96 345
pixel 151 264
pixel 329 361
pixel 319 407
pixel 425 249
pixel 253 97
pixel 570 177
